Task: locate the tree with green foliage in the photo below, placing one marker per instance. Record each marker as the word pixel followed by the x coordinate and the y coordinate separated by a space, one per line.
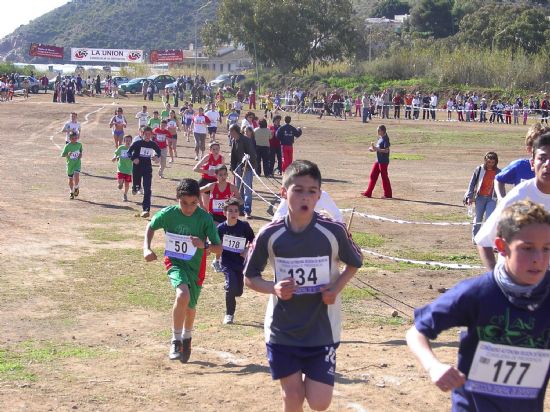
pixel 432 17
pixel 464 7
pixel 506 27
pixel 290 35
pixel 389 8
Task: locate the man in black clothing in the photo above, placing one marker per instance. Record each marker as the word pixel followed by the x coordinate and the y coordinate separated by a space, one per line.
pixel 141 153
pixel 243 146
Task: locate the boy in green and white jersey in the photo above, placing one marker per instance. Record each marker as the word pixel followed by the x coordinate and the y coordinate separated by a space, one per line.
pixel 186 228
pixel 73 152
pixel 125 166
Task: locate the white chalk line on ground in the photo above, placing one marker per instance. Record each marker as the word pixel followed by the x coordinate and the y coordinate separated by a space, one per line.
pixel 86 121
pixel 405 222
pixel 56 145
pixel 423 262
pixel 356 407
pixel 225 356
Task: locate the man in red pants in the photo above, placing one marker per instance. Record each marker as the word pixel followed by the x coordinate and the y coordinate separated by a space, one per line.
pixel 286 135
pixel 382 149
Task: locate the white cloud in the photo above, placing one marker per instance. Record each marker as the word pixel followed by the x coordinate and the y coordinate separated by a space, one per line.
pixel 16 13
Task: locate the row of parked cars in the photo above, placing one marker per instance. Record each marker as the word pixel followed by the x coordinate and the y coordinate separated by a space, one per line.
pixel 163 81
pixel 135 85
pixel 34 84
pixel 160 82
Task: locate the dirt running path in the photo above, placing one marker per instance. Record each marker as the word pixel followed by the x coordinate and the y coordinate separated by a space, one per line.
pixel 85 323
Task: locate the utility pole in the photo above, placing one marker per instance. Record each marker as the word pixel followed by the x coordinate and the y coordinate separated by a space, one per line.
pixel 196 39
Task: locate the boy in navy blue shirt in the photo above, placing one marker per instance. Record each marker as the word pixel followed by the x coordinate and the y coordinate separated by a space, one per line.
pixel 235 235
pixel 303 320
pixel 380 167
pixel 504 355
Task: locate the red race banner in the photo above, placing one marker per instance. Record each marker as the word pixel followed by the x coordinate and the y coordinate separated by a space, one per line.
pixel 45 50
pixel 166 56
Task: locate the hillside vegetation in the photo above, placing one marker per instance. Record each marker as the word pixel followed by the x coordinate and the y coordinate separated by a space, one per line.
pixel 130 24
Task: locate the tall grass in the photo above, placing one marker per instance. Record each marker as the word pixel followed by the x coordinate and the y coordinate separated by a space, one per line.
pixel 8 68
pixel 466 65
pixel 428 65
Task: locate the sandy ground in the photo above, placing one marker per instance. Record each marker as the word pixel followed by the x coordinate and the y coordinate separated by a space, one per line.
pixel 58 257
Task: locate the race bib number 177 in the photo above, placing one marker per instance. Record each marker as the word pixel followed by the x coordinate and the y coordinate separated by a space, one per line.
pixel 508 371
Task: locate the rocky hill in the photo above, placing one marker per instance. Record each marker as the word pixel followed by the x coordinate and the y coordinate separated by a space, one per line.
pixel 132 24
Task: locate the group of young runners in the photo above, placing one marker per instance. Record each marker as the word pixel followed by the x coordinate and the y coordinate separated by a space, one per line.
pixel 504 353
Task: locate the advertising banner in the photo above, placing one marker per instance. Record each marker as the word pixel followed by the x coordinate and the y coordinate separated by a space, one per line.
pixel 45 50
pixel 166 56
pixel 85 54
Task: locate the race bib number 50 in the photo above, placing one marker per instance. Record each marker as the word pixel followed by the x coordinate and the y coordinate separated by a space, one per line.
pixel 179 246
pixel 508 371
pixel 309 274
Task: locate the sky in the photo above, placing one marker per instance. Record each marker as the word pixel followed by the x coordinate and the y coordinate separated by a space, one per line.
pixel 18 12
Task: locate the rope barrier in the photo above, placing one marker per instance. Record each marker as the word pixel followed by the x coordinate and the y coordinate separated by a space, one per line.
pixel 353 282
pixel 405 222
pixel 252 190
pixel 418 109
pixel 423 262
pixel 261 181
pixel 383 293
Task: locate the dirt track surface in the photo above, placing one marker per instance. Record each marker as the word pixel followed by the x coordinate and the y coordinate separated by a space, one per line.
pixel 85 322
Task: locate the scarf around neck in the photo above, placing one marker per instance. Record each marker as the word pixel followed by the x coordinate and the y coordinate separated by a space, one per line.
pixel 527 297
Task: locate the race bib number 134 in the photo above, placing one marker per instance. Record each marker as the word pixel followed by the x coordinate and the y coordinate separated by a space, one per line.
pixel 309 273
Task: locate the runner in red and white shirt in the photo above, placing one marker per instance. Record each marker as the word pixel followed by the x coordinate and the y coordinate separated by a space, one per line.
pixel 220 190
pixel 160 137
pixel 173 125
pixel 207 167
pixel 200 122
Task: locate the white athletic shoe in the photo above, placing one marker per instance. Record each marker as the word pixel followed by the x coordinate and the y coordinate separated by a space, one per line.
pixel 228 320
pixel 217 265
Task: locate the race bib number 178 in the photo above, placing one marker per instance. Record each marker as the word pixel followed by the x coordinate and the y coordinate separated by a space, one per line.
pixel 309 273
pixel 233 243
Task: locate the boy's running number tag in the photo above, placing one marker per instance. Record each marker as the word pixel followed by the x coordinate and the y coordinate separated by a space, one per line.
pixel 217 205
pixel 233 243
pixel 146 152
pixel 508 371
pixel 179 246
pixel 309 273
